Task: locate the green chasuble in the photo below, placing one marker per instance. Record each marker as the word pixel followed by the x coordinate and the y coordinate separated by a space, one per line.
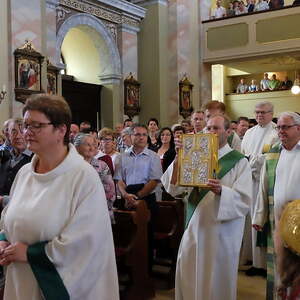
pixel 272 158
pixel 226 163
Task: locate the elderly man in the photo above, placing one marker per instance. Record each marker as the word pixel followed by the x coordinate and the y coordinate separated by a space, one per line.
pixel 207 263
pixel 17 158
pixel 198 121
pixel 6 145
pixel 279 183
pixel 126 139
pixel 256 142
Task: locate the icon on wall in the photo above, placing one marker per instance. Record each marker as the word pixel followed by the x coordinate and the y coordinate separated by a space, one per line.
pixel 28 66
pixel 131 96
pixel 52 75
pixel 185 97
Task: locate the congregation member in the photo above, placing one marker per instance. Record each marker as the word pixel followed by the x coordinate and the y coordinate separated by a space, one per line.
pixel 85 146
pixel 207 263
pixel 274 83
pixel 126 139
pixel 242 127
pixel 265 83
pixel 250 5
pixel 186 124
pixel 6 144
pixel 253 87
pixel 230 10
pixel 219 11
pixel 286 84
pixel 233 125
pixel 108 146
pixel 74 130
pixel 261 5
pixel 198 121
pixel 117 136
pixel 178 131
pixel 256 142
pixel 242 87
pixel 56 227
pixel 127 123
pixel 14 159
pixel 85 127
pixel 138 174
pixel 153 129
pixel 166 151
pixel 279 184
pixel 242 9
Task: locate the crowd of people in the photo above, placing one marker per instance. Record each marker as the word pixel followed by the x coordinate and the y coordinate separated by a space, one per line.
pixel 239 7
pixel 266 84
pixel 73 177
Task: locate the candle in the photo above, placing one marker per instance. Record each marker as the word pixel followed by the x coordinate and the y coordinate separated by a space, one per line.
pixel 4 88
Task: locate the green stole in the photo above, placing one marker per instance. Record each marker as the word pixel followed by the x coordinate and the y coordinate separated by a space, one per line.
pixel 226 163
pixel 230 139
pixel 272 158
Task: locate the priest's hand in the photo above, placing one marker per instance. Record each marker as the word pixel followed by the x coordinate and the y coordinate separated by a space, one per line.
pixel 257 227
pixel 3 246
pixel 215 186
pixel 14 253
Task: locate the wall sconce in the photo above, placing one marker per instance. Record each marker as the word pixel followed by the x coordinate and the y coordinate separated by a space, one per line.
pixel 296 87
pixel 3 93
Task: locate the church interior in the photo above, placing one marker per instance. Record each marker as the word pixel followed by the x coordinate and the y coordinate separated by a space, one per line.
pixel 92 51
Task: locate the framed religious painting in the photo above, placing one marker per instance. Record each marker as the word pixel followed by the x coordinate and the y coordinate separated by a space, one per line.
pixel 131 96
pixel 185 97
pixel 52 77
pixel 198 159
pixel 28 66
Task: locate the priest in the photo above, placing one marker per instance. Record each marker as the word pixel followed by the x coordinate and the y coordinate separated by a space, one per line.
pixel 256 142
pixel 207 263
pixel 279 184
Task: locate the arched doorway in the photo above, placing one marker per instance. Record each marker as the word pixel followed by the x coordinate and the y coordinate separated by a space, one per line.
pixel 92 58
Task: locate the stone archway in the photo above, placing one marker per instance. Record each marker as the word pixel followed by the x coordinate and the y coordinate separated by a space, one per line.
pixel 110 69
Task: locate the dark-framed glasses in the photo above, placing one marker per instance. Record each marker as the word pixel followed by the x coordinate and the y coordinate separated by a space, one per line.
pixel 35 126
pixel 257 112
pixel 285 127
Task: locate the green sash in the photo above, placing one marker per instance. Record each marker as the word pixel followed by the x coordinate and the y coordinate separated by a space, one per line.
pixel 46 274
pixel 226 163
pixel 230 139
pixel 272 158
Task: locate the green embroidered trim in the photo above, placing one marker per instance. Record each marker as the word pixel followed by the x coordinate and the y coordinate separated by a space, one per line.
pixel 45 273
pixel 226 163
pixel 2 237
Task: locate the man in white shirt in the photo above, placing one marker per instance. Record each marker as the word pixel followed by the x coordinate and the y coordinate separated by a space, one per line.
pixel 257 140
pixel 219 11
pixel 279 184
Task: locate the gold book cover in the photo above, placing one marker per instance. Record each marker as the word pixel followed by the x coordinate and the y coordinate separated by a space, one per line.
pixel 198 159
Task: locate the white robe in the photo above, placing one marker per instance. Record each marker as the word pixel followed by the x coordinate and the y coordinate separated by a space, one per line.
pixel 67 207
pixel 236 142
pixel 252 146
pixel 286 186
pixel 207 263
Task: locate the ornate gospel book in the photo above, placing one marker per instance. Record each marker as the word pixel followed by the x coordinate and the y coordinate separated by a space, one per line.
pixel 198 159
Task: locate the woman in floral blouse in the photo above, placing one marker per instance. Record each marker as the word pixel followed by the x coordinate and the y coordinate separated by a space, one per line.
pixel 84 144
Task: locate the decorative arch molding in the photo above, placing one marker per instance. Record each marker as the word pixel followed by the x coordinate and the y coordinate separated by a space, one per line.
pixel 102 39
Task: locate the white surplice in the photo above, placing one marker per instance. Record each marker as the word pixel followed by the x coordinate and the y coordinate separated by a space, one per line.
pixel 252 146
pixel 286 186
pixel 67 207
pixel 207 263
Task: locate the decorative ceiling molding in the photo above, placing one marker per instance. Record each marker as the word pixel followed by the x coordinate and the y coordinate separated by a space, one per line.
pixel 112 14
pixel 145 3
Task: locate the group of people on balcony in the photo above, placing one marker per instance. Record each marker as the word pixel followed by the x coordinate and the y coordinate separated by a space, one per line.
pixel 239 7
pixel 266 84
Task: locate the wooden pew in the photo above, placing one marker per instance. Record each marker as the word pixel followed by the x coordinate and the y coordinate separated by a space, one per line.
pixel 168 231
pixel 131 245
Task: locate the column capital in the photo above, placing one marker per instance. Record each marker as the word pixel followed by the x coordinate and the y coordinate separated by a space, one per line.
pixel 110 79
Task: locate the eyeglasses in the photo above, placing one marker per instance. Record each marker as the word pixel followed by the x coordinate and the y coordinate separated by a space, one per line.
pixel 209 128
pixel 35 127
pixel 257 112
pixel 285 127
pixel 107 140
pixel 141 134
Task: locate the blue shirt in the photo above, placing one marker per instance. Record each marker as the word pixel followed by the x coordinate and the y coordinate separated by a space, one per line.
pixel 138 168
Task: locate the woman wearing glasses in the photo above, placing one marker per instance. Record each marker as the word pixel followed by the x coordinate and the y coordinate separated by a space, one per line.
pixel 56 234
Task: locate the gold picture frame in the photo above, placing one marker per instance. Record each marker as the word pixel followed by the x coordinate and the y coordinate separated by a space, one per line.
pixel 198 159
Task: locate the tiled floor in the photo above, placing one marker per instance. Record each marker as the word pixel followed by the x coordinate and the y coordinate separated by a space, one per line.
pixel 249 288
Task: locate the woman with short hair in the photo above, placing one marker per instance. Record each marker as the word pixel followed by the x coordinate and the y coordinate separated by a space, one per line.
pixel 56 238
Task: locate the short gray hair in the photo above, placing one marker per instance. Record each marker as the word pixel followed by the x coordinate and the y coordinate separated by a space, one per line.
pixel 79 139
pixel 291 114
pixel 265 103
pixel 126 131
